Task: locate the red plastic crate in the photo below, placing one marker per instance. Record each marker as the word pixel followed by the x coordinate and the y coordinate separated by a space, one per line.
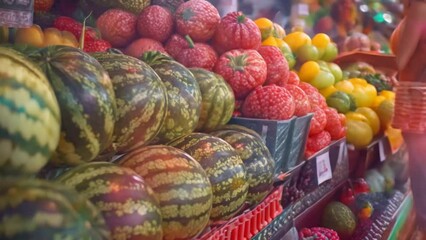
pixel 249 223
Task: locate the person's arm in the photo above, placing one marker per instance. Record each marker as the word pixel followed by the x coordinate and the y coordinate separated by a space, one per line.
pixel 410 36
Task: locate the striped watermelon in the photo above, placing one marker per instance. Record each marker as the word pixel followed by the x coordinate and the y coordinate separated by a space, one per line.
pixel 30 116
pixel 258 162
pixel 128 205
pixel 218 100
pixel 179 183
pixel 183 94
pixel 240 128
pixel 224 168
pixel 33 209
pixel 141 100
pixel 86 98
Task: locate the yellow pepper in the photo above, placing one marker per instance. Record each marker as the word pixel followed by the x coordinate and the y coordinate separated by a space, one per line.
pixel 265 26
pixel 363 92
pixel 389 95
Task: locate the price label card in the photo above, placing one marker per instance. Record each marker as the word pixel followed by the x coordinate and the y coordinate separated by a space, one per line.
pixel 382 153
pixel 16 13
pixel 324 168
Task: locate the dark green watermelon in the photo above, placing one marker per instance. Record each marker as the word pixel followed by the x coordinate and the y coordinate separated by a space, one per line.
pixel 218 100
pixel 258 162
pixel 86 98
pixel 239 128
pixel 33 209
pixel 127 203
pixel 141 100
pixel 224 168
pixel 180 184
pixel 29 116
pixel 183 94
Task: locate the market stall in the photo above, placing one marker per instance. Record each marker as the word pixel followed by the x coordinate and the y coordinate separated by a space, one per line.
pixel 172 119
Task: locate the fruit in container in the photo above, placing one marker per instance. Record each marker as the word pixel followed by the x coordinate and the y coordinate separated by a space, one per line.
pixel 86 98
pixel 283 46
pixel 301 100
pixel 244 70
pixel 319 120
pixel 323 80
pixel 336 71
pixel 278 31
pixel 345 86
pixel 120 194
pixel 330 52
pixel 315 98
pixel 277 66
pixel 372 117
pixel 30 128
pixel 321 40
pixel 141 100
pixel 98 45
pixel 257 160
pixel 183 94
pixel 171 5
pixel 360 186
pixel 347 196
pixel 334 124
pixel 47 210
pixel 293 78
pixel 218 100
pixel 175 44
pixel 134 6
pixel 318 233
pixel 236 31
pixel 155 22
pixel 340 218
pixel 239 128
pixel 318 141
pixel 340 101
pixel 198 19
pixel 359 133
pixel 385 111
pixel 309 70
pixel 363 92
pixel 265 26
pixel 269 102
pixel 375 180
pixel 297 39
pixel 43 5
pixel 307 52
pixel 199 55
pixel 179 183
pixel 118 27
pixel 328 91
pixel 224 168
pixel 142 45
pixel 76 28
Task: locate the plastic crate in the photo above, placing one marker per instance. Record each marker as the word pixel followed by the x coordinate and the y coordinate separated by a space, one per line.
pixel 282 223
pixel 310 177
pixel 249 223
pixel 285 140
pixel 298 137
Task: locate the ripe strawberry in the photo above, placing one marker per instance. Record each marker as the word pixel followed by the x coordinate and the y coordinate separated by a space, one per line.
pixel 301 100
pixel 198 19
pixel 318 122
pixel 277 65
pixel 315 98
pixel 175 44
pixel 117 27
pixel 198 55
pixel 155 22
pixel 96 46
pixel 269 102
pixel 43 5
pixel 139 47
pixel 334 126
pixel 318 141
pixel 63 23
pixel 293 78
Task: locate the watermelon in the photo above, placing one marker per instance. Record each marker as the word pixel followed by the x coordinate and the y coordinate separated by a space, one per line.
pixel 240 128
pixel 127 203
pixel 258 162
pixel 183 94
pixel 218 100
pixel 86 99
pixel 180 184
pixel 34 209
pixel 30 117
pixel 224 168
pixel 141 100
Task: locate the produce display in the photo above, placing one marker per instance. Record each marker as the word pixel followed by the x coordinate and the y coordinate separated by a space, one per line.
pixel 115 125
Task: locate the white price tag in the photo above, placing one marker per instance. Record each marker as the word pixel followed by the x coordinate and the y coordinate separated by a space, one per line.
pixel 324 168
pixel 382 153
